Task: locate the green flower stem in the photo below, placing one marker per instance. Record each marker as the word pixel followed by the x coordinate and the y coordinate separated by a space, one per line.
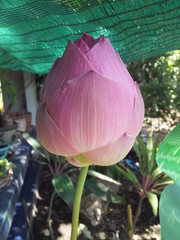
pixel 77 202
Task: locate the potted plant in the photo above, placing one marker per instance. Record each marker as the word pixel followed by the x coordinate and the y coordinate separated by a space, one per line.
pixel 7 126
pixel 6 171
pixel 9 123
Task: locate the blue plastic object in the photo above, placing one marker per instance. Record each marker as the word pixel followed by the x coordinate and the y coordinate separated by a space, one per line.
pixel 4 149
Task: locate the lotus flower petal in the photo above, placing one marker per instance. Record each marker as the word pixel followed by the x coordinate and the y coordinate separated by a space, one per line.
pixel 89 111
pixel 105 61
pixel 86 43
pixel 79 160
pixel 138 114
pixel 55 142
pixel 107 155
pixel 72 64
pixel 75 163
pixel 90 108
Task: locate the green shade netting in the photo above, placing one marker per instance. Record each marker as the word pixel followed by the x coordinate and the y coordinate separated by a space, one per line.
pixel 34 33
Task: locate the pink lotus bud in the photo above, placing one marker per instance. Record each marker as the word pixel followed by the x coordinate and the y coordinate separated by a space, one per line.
pixel 90 109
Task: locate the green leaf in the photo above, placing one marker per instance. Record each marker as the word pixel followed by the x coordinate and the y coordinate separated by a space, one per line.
pixel 168 156
pixel 150 145
pixel 152 160
pixel 156 172
pixel 113 172
pixel 64 187
pixel 102 177
pixel 144 153
pixel 170 212
pixel 158 192
pixel 100 169
pixel 36 145
pixel 127 173
pixel 136 149
pixel 164 180
pixel 153 200
pixel 103 192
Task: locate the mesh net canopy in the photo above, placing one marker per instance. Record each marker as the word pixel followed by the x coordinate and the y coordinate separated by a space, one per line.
pixel 34 33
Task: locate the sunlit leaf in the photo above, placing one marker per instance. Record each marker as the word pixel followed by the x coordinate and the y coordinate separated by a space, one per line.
pixel 36 145
pixel 152 159
pixel 164 180
pixel 102 177
pixel 150 145
pixel 103 192
pixel 156 172
pixel 64 187
pixel 153 200
pixel 168 156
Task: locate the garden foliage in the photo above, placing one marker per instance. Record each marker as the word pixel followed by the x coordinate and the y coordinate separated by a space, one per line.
pixel 168 159
pixel 62 182
pixel 151 180
pixel 159 81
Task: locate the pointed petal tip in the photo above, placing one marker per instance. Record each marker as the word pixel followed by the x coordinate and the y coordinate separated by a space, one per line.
pixel 102 38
